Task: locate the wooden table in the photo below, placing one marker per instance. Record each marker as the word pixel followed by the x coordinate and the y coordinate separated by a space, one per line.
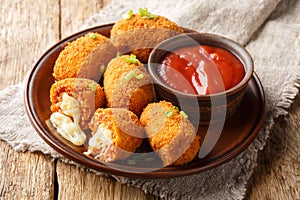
pixel 27 29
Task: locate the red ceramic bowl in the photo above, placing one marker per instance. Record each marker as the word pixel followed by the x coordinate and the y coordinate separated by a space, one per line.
pixel 238 131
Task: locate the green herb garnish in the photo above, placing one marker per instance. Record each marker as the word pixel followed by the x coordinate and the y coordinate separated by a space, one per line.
pixel 130 75
pixel 184 114
pixel 140 76
pixel 143 12
pixel 92 35
pixel 92 86
pixel 175 108
pixel 102 68
pixel 118 54
pixel 152 16
pixel 132 59
pixel 169 113
pixel 146 14
pixel 131 162
pixel 148 159
pixel 128 14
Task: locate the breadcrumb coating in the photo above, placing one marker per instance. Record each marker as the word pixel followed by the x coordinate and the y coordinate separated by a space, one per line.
pixel 88 93
pixel 138 22
pixel 93 48
pixel 173 137
pixel 133 94
pixel 140 35
pixel 125 133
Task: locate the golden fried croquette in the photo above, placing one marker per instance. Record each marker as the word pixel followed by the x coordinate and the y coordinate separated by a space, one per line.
pixel 84 57
pixel 139 35
pixel 116 133
pixel 171 135
pixel 127 84
pixel 77 98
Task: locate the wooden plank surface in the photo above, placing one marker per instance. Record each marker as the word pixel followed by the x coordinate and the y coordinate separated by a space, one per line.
pixel 25 175
pixel 27 29
pixel 277 175
pixel 90 186
pixel 74 12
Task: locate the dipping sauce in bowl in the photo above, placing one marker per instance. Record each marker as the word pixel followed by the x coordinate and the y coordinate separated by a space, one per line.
pixel 203 74
pixel 206 69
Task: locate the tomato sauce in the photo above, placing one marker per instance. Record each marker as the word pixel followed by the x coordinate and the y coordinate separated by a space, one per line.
pixel 201 70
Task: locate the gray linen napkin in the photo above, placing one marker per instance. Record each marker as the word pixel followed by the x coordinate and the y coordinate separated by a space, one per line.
pixel 272 39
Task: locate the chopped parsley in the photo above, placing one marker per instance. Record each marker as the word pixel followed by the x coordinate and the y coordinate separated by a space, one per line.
pixel 92 35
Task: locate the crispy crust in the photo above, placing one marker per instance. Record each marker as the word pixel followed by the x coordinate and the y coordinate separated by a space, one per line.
pixel 78 88
pixel 134 94
pixel 127 132
pixel 139 36
pixel 174 137
pixel 138 22
pixel 82 58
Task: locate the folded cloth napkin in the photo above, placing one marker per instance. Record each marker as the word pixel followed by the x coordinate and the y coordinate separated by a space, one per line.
pixel 269 29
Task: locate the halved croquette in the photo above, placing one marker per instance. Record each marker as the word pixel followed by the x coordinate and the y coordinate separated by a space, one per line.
pixel 116 133
pixel 77 98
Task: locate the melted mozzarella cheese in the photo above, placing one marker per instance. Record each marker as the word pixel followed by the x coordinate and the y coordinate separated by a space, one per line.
pixel 67 128
pixel 63 123
pixel 100 142
pixel 70 107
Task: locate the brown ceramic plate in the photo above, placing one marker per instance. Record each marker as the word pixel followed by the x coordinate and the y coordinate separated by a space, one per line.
pixel 238 132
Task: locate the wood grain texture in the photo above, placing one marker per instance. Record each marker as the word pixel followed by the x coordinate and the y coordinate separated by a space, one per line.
pixel 74 12
pixel 27 29
pixel 25 175
pixel 277 175
pixel 90 186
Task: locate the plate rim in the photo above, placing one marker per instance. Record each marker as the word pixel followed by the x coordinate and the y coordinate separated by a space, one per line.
pixel 98 165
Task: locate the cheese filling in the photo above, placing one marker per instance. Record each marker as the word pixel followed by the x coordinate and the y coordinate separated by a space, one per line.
pixel 100 143
pixel 70 107
pixel 63 123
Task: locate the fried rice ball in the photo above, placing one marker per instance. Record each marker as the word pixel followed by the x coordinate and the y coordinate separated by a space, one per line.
pixel 139 35
pixel 84 57
pixel 116 134
pixel 128 84
pixel 77 98
pixel 171 135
